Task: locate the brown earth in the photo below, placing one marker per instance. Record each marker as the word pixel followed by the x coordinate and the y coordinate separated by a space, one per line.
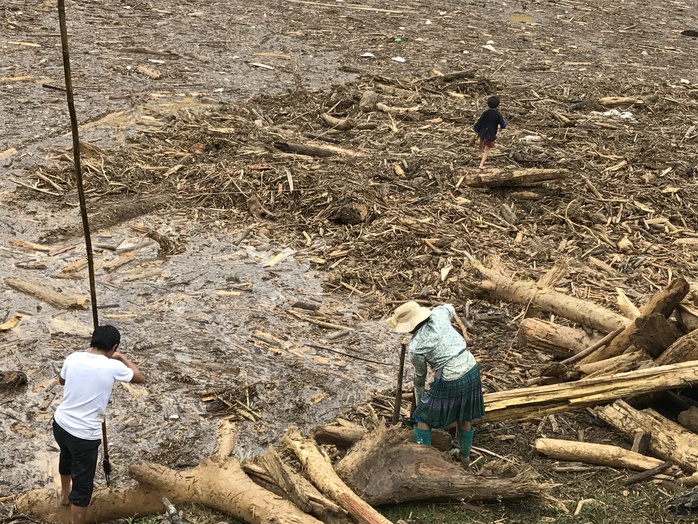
pixel 191 156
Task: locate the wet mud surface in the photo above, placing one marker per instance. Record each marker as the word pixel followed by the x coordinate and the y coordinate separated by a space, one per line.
pixel 213 319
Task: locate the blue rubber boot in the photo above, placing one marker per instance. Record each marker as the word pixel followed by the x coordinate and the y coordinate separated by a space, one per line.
pixel 466 443
pixel 422 436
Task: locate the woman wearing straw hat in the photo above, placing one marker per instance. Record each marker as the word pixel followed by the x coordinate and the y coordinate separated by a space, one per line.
pixel 456 393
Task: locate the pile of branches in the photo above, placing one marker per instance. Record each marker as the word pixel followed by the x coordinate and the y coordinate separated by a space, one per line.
pixel 370 181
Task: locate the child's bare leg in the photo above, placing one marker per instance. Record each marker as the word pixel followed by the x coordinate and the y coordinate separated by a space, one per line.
pixel 485 152
pixel 78 514
pixel 65 489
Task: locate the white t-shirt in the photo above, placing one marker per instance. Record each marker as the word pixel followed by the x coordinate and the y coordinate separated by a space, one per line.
pixel 88 382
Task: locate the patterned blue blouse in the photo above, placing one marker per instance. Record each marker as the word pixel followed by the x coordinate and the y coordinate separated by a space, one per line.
pixel 437 345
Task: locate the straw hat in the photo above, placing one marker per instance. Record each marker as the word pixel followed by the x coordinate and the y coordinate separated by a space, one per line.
pixel 407 317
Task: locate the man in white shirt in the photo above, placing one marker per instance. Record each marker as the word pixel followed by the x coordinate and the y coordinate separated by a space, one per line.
pixel 88 377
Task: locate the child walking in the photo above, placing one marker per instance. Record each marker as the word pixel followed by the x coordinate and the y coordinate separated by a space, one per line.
pixel 487 126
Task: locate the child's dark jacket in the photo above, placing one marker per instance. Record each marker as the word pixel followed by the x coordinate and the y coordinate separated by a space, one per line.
pixel 486 127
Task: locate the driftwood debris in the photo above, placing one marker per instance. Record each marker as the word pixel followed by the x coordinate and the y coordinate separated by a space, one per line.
pixel 683 350
pixel 641 442
pixel 342 124
pixel 686 504
pixel 298 489
pixel 655 333
pixel 689 418
pixel 663 302
pixel 514 178
pixel 386 467
pixel 12 379
pixel 171 511
pixel 398 110
pixel 218 482
pixel 310 150
pixel 626 307
pixel 596 345
pixel 599 454
pixel 324 477
pixel 302 149
pixel 687 316
pixel 314 502
pixel 449 77
pixel 345 435
pixel 551 338
pixel 554 373
pixel 368 101
pixel 670 441
pixel 526 403
pixel 46 294
pixel 11 323
pixel 550 278
pixel 619 364
pixel 610 101
pixel 643 475
pixel 283 477
pixel 498 285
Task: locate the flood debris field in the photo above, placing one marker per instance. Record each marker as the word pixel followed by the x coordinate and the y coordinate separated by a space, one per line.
pixel 255 214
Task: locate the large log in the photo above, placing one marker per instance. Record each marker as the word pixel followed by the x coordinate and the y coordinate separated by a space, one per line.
pixel 345 435
pixel 106 504
pixel 387 468
pixel 46 294
pixel 322 474
pixel 311 150
pixel 670 441
pixel 581 311
pixel 551 338
pixel 341 434
pixel 218 482
pixel 599 454
pixel 619 364
pixel 533 402
pixel 664 302
pixel 515 177
pixel 684 349
pixel 549 279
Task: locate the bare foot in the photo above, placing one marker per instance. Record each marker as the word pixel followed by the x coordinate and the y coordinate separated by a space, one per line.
pixel 63 499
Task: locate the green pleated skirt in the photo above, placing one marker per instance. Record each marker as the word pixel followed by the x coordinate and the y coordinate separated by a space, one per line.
pixel 449 401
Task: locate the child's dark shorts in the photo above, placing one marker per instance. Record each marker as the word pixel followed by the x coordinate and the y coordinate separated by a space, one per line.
pixel 487 143
pixel 79 460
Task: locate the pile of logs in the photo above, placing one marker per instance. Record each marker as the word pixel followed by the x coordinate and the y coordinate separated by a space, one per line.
pixel 383 467
pixel 626 360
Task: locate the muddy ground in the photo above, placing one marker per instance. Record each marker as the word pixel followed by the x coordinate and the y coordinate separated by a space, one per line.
pixel 187 153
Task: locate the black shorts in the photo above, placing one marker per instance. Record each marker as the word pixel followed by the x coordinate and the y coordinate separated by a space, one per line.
pixel 79 460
